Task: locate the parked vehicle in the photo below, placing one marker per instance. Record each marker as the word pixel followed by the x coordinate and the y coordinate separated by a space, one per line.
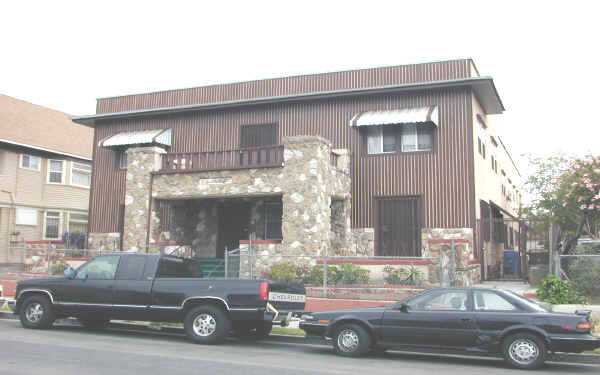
pixel 155 288
pixel 466 319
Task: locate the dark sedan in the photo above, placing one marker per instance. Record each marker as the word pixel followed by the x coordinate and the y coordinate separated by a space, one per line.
pixel 466 319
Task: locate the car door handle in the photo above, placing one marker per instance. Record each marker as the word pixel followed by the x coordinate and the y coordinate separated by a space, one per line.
pixel 466 320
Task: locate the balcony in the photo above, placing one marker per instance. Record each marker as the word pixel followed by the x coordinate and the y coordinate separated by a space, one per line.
pixel 247 158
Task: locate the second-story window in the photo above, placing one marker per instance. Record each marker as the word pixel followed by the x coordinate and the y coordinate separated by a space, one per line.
pixel 30 162
pixel 81 174
pixel 403 138
pixel 258 135
pixel 56 171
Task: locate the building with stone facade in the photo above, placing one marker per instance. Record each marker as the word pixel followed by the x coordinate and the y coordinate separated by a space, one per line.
pixel 374 162
pixel 45 176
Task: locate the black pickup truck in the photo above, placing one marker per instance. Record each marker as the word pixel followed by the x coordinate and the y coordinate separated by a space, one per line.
pixel 160 289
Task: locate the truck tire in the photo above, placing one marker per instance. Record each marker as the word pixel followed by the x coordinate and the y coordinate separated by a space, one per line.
pixel 207 324
pixel 36 312
pixel 256 331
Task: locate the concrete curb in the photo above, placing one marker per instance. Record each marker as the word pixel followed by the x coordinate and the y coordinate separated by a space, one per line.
pixel 572 358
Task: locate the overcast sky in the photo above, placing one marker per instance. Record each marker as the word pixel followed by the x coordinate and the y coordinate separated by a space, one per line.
pixel 542 55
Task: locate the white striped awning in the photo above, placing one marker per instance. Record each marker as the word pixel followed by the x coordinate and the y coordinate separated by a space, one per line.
pixel 420 115
pixel 160 137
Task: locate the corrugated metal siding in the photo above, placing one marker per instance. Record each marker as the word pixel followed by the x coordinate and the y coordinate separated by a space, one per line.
pixel 442 177
pixel 393 75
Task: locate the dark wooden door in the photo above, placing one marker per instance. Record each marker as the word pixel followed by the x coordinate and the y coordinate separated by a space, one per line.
pixel 398 226
pixel 234 223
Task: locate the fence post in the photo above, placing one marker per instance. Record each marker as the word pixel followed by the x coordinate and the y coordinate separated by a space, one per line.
pixel 251 255
pixel 324 272
pixel 225 258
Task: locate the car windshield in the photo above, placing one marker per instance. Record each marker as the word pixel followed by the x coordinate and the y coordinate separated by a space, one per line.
pixel 530 303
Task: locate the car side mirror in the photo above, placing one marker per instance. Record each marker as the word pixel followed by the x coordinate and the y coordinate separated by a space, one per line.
pixel 403 307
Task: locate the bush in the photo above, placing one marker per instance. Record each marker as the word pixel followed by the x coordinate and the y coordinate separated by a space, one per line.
pixel 403 276
pixel 584 272
pixel 58 267
pixel 283 272
pixel 557 291
pixel 353 274
pixel 303 274
pixel 316 274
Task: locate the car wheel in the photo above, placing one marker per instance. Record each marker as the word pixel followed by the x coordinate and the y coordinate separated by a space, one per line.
pixel 524 351
pixel 253 331
pixel 93 324
pixel 36 312
pixel 207 324
pixel 351 340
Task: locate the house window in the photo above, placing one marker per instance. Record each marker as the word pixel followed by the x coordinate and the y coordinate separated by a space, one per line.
pixel 258 135
pixel 55 171
pixel 403 138
pixel 30 162
pixel 494 163
pixel 481 141
pixel 52 225
pixel 273 218
pixel 78 222
pixel 26 216
pixel 123 159
pixel 81 174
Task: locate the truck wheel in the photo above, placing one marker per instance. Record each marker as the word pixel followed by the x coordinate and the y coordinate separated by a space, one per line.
pixel 256 331
pixel 351 340
pixel 36 312
pixel 207 324
pixel 93 324
pixel 524 351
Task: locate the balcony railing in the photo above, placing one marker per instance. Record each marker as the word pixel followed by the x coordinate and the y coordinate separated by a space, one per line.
pixel 260 157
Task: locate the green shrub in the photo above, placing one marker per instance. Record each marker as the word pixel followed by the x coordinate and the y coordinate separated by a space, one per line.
pixel 584 272
pixel 557 291
pixel 283 272
pixel 403 276
pixel 353 274
pixel 58 267
pixel 303 274
pixel 316 274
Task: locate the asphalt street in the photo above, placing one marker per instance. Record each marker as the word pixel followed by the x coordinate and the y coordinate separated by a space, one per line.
pixel 72 350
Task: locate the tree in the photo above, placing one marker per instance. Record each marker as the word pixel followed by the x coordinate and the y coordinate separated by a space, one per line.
pixel 566 191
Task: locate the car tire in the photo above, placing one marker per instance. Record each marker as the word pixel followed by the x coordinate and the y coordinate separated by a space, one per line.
pixel 351 340
pixel 207 324
pixel 93 324
pixel 524 351
pixel 257 331
pixel 36 312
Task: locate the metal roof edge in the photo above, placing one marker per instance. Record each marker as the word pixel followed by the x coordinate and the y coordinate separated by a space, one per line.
pixel 90 119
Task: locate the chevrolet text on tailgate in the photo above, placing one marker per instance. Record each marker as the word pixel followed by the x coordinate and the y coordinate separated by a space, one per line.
pixel 160 289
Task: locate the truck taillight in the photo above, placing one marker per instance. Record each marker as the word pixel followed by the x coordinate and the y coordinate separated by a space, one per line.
pixel 264 291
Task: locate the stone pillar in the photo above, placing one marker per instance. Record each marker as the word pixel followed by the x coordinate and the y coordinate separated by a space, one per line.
pixel 341 234
pixel 306 203
pixel 141 162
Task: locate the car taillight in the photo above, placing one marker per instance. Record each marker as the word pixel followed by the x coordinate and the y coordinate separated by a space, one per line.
pixel 263 294
pixel 584 326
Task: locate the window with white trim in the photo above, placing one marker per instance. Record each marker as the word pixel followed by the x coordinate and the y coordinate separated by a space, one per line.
pixel 123 159
pixel 78 222
pixel 81 174
pixel 399 138
pixel 30 162
pixel 56 171
pixel 26 216
pixel 52 225
pixel 481 141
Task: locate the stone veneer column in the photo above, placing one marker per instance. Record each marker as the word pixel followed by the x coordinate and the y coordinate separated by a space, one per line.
pixel 307 199
pixel 141 162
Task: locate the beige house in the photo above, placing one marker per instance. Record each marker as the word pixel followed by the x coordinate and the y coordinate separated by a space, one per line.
pixel 45 175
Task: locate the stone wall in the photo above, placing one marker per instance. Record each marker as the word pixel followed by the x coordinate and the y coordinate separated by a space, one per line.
pixel 141 162
pixel 436 244
pixel 104 241
pixel 362 242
